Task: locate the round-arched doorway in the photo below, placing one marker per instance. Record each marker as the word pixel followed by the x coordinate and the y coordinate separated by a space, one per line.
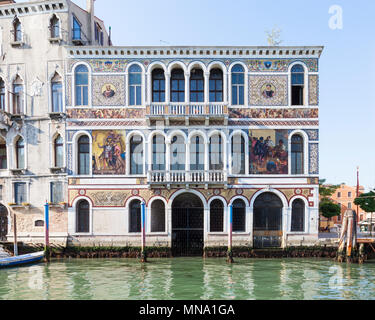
pixel 3 223
pixel 267 221
pixel 187 225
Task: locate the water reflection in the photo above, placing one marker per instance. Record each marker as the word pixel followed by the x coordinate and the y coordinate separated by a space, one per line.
pixel 190 278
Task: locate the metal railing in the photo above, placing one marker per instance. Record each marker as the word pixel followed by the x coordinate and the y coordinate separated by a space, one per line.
pixel 187 109
pixel 166 177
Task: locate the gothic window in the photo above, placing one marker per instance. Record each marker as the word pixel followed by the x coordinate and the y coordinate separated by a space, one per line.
pixel 196 86
pixel 3 154
pixel 135 85
pixel 158 85
pixel 20 153
pixel 297 154
pixel 238 85
pixel 238 154
pixel 76 29
pixel 177 85
pixel 158 153
pixel 216 152
pixel 18 101
pixel 197 153
pixel 216 216
pixel 83 217
pixel 157 216
pixel 56 94
pixel 82 85
pixel 55 27
pixel 2 95
pixel 20 195
pixel 17 30
pixel 216 85
pixel 178 153
pixel 239 216
pixel 59 152
pixel 136 155
pixel 298 216
pixel 84 155
pixel 298 84
pixel 135 216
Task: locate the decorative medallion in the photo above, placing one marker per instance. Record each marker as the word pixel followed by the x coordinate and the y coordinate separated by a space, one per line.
pixel 239 192
pixel 216 192
pixel 157 192
pixel 135 192
pixel 82 192
pixel 108 90
pixel 298 191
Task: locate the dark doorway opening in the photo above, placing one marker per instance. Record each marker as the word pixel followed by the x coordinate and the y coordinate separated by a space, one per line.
pixel 3 223
pixel 267 221
pixel 187 226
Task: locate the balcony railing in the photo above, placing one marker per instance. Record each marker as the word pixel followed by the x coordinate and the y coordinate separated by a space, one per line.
pixel 186 177
pixel 183 109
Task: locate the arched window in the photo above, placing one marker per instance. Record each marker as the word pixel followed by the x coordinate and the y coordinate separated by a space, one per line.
pixel 2 95
pixel 239 216
pixel 17 30
pixel 216 85
pixel 3 154
pixel 157 216
pixel 20 153
pixel 59 152
pixel 135 216
pixel 238 85
pixel 84 155
pixel 177 85
pixel 216 152
pixel 178 153
pixel 158 85
pixel 136 155
pixel 197 153
pixel 39 223
pixel 82 85
pixel 18 103
pixel 56 93
pixel 297 154
pixel 298 84
pixel 158 153
pixel 135 85
pixel 196 85
pixel 83 217
pixel 238 154
pixel 298 216
pixel 216 216
pixel 55 27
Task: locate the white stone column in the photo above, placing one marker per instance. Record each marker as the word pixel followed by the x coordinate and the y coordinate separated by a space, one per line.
pixel 127 148
pixel 167 88
pixel 206 87
pixel 187 87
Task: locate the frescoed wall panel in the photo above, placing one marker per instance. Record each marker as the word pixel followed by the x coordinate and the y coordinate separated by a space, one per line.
pixel 268 151
pixel 268 90
pixel 313 90
pixel 108 152
pixel 108 91
pixel 274 113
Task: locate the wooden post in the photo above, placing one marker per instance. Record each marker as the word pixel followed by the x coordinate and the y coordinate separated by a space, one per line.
pixel 349 245
pixel 15 250
pixel 230 232
pixel 340 253
pixel 47 252
pixel 143 226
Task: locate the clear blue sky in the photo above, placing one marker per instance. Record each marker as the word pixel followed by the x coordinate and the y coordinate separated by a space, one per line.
pixel 347 66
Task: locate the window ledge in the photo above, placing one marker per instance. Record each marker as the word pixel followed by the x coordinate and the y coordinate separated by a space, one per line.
pixel 20 206
pixel 55 40
pixel 57 115
pixel 16 43
pixel 56 170
pixel 61 205
pixel 18 172
pixel 17 117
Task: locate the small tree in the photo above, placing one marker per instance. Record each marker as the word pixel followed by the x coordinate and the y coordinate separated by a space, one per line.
pixel 327 207
pixel 366 201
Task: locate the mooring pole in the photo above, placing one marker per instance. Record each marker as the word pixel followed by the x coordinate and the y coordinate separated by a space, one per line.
pixel 344 227
pixel 143 225
pixel 15 250
pixel 47 253
pixel 230 252
pixel 350 237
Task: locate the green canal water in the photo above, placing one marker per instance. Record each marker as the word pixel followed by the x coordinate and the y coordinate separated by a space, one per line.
pixel 189 278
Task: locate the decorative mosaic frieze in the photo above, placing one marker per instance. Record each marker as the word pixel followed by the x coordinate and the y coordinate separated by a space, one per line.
pixel 68 90
pixel 274 123
pixel 123 113
pixel 69 161
pixel 313 90
pixel 314 158
pixel 108 90
pixel 268 90
pixel 108 65
pixel 285 113
pixel 313 134
pixel 279 65
pixel 122 123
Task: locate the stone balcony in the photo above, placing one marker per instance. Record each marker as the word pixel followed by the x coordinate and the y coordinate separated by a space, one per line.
pixel 186 178
pixel 187 113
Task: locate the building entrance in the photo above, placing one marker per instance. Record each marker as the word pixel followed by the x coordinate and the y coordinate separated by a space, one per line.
pixel 187 226
pixel 3 223
pixel 267 221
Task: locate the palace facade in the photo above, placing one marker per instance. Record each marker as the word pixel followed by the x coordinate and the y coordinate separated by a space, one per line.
pixel 189 131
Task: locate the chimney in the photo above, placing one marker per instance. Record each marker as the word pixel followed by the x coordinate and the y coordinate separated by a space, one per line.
pixel 90 7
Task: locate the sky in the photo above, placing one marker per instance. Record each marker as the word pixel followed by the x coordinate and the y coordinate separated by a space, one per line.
pixel 347 65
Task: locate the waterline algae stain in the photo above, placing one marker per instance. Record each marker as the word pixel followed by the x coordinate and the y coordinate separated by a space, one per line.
pixel 189 279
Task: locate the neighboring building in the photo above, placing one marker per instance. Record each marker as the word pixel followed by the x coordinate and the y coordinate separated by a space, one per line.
pixel 344 196
pixel 191 131
pixel 32 109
